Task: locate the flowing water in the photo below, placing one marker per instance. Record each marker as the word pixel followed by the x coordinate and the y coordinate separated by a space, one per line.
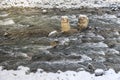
pixel 24 40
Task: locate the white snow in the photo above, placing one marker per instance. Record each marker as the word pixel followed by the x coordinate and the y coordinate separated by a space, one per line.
pixel 99 72
pixel 23 74
pixel 58 3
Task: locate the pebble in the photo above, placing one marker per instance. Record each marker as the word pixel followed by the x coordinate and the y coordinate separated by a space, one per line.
pixel 99 72
pixel 53 33
pixel 44 11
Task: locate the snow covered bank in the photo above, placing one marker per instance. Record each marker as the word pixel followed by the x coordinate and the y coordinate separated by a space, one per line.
pixel 23 74
pixel 58 3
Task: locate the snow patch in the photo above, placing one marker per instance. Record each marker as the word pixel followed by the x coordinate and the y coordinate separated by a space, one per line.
pixel 68 75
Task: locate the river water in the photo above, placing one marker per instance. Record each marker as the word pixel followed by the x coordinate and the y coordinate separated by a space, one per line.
pixel 24 40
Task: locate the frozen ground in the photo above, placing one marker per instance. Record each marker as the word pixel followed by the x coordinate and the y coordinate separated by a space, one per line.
pixel 59 3
pixel 23 74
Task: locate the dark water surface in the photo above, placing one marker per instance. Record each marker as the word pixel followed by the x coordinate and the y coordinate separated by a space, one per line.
pixel 24 40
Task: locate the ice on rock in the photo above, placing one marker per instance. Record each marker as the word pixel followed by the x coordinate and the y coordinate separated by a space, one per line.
pixel 99 72
pixel 23 68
